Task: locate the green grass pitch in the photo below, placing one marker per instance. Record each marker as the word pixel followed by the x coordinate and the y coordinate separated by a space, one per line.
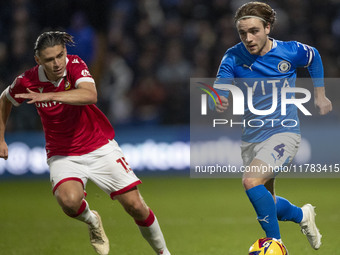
pixel 198 216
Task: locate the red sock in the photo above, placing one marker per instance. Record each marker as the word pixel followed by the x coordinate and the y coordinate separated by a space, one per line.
pixel 148 221
pixel 81 208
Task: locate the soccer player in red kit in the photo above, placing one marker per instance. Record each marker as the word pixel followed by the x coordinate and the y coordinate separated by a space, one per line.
pixel 80 141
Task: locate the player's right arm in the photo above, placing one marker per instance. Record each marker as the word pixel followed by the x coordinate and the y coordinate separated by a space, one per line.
pixel 225 76
pixel 5 110
pixel 222 107
pixel 7 100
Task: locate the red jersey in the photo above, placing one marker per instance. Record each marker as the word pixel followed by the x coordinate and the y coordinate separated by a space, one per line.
pixel 70 130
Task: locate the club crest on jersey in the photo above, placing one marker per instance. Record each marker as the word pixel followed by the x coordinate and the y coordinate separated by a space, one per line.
pixel 67 85
pixel 283 66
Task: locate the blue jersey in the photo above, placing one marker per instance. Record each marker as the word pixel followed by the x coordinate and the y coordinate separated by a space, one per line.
pixel 275 69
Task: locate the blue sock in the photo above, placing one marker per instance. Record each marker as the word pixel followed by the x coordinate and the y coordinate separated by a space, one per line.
pixel 287 211
pixel 265 208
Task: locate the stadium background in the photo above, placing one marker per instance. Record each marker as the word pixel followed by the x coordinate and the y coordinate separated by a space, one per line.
pixel 142 55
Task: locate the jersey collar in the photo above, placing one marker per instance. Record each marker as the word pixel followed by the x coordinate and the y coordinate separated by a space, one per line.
pixel 274 42
pixel 43 77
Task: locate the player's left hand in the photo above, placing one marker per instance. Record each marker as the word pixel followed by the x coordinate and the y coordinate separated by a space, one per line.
pixel 33 97
pixel 322 103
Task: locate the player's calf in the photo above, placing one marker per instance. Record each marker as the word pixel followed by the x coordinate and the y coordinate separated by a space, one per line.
pixel 134 204
pixel 152 233
pixel 145 219
pixel 137 209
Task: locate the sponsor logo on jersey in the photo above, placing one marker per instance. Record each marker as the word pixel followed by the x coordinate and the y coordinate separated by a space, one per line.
pixel 85 73
pixel 284 66
pixel 41 89
pixel 46 104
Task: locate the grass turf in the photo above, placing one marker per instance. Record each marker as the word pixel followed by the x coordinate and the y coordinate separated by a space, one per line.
pixel 198 216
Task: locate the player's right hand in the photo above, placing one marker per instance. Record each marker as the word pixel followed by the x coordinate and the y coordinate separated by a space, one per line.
pixel 3 150
pixel 224 106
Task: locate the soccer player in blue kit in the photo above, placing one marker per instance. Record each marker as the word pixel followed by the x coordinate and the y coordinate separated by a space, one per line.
pixel 265 64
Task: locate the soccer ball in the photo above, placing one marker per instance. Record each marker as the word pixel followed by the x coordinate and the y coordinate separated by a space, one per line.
pixel 267 246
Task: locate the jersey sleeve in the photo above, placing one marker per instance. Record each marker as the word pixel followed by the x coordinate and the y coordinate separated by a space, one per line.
pixel 310 58
pixel 226 68
pixel 79 71
pixel 316 71
pixel 225 75
pixel 17 87
pixel 304 55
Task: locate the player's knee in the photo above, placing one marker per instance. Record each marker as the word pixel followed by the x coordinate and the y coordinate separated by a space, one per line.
pixel 70 203
pixel 249 183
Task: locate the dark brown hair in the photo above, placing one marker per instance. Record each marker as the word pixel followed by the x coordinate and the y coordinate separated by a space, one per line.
pixel 258 9
pixel 52 38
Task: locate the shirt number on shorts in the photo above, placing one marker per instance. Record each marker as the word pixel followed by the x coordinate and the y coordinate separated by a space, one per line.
pixel 124 164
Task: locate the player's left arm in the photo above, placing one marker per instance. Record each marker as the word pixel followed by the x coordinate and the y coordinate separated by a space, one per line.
pixel 315 69
pixel 321 102
pixel 84 94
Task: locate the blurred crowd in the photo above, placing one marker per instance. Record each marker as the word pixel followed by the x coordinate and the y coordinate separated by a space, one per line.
pixel 142 53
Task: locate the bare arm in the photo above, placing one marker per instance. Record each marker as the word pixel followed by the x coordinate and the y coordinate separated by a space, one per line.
pixel 322 103
pixel 224 106
pixel 85 94
pixel 5 110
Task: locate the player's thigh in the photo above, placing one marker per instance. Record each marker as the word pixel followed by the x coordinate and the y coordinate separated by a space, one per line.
pixel 109 170
pixel 247 152
pixel 68 176
pixel 279 149
pixel 257 173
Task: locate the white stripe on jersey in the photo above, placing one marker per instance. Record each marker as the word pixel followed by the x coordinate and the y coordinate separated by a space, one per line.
pixel 310 55
pixel 9 97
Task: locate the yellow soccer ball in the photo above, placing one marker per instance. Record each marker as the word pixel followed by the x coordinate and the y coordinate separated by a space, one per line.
pixel 268 246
